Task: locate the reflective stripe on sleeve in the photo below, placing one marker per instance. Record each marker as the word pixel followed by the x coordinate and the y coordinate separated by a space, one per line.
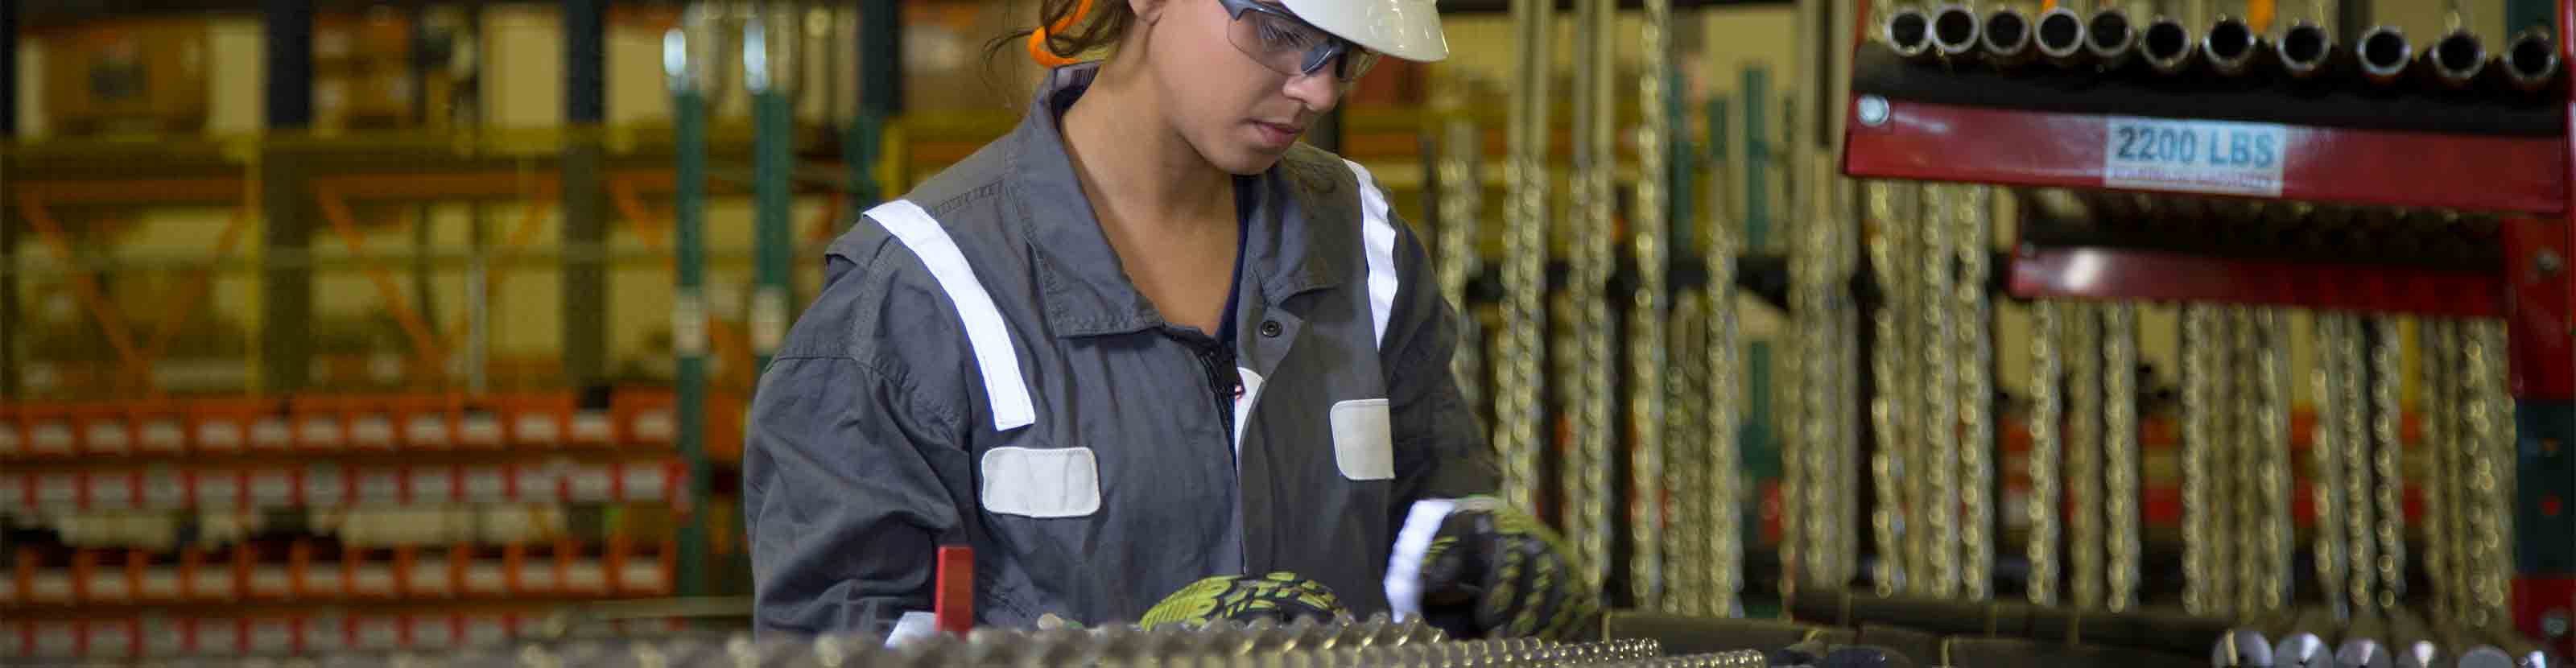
pixel 1378 232
pixel 914 227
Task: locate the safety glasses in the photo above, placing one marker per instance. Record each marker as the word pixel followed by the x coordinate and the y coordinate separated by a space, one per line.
pixel 1288 45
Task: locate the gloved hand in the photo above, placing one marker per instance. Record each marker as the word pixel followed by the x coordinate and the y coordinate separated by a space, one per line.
pixel 1493 572
pixel 1282 596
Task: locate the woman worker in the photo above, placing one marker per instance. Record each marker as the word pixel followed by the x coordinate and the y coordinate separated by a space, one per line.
pixel 1150 357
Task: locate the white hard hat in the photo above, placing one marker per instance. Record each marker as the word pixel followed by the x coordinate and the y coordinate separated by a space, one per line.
pixel 1407 29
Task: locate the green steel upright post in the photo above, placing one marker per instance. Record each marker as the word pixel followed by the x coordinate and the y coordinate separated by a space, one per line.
pixel 587 295
pixel 880 97
pixel 1716 140
pixel 773 132
pixel 1760 452
pixel 688 299
pixel 859 148
pixel 2523 14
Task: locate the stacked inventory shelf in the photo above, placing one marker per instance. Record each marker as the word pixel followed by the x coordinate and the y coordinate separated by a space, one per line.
pixel 2479 148
pixel 418 520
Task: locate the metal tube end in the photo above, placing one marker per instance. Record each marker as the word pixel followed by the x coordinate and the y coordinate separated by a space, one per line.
pixel 1909 33
pixel 2457 59
pixel 2060 36
pixel 2110 37
pixel 2383 53
pixel 2531 60
pixel 2007 37
pixel 2232 46
pixel 2305 49
pixel 1954 31
pixel 2168 46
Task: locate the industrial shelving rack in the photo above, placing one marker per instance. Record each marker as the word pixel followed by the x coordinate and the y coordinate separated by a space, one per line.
pixel 398 446
pixel 1968 125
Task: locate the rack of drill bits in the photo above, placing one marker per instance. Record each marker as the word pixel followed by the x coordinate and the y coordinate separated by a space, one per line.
pixel 1345 643
pixel 2311 212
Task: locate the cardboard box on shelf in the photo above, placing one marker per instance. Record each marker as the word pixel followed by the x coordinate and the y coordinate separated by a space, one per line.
pixel 111 639
pixel 157 579
pixel 368 37
pixel 206 576
pixel 49 430
pixel 644 417
pixel 375 633
pixel 127 76
pixel 320 430
pixel 104 430
pixel 537 420
pixel 224 426
pixel 51 586
pixel 367 96
pixel 428 421
pixel 158 430
pixel 362 76
pixel 12 441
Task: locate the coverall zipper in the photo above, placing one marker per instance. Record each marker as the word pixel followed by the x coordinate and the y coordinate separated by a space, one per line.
pixel 1216 368
pixel 1223 384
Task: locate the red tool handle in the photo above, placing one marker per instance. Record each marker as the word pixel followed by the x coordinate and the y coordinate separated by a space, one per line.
pixel 954 604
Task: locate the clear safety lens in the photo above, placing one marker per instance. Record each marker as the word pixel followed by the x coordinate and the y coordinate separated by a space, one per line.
pixel 1289 46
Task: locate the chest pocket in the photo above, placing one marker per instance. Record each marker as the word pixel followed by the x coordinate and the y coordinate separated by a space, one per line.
pixel 1044 483
pixel 1363 439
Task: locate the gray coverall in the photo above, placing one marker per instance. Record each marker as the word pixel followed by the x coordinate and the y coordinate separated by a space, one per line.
pixel 978 370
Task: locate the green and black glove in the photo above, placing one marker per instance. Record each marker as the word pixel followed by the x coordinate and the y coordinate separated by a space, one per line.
pixel 1282 596
pixel 1492 572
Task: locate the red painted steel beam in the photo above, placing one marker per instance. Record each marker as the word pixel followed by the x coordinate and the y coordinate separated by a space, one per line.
pixel 154 191
pixel 1933 142
pixel 2542 311
pixel 2132 275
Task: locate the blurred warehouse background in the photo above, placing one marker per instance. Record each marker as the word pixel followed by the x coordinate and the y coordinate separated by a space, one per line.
pixel 347 325
pixel 362 314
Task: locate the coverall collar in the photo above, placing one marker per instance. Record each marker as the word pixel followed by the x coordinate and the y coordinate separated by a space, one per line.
pixel 1085 290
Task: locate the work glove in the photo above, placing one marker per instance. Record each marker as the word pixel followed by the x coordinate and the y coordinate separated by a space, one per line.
pixel 1492 572
pixel 1282 597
